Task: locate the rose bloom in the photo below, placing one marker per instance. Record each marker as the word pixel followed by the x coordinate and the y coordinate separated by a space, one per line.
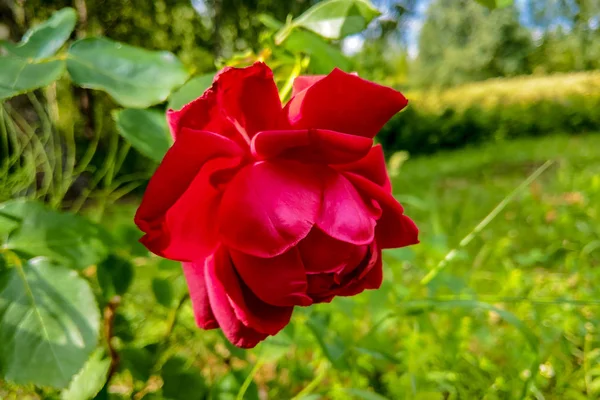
pixel 270 206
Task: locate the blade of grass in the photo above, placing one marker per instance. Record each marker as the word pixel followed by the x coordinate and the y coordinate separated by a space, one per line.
pixel 431 275
pixel 249 378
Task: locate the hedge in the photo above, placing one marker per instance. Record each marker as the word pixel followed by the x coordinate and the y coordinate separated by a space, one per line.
pixel 495 110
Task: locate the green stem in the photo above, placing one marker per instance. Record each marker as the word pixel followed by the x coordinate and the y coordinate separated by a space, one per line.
pixel 259 363
pixel 319 376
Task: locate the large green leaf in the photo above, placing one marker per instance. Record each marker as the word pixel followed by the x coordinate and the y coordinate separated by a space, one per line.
pixel 146 130
pixel 50 323
pixel 193 89
pixel 90 380
pixel 69 239
pixel 323 56
pixel 19 75
pixel 45 39
pixel 134 77
pixel 336 19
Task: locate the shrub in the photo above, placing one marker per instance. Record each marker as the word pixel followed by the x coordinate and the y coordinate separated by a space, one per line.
pixel 495 110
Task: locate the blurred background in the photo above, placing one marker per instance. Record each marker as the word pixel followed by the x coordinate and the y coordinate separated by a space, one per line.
pixel 496 158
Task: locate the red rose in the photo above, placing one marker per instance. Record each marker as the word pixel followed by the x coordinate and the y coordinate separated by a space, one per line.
pixel 272 207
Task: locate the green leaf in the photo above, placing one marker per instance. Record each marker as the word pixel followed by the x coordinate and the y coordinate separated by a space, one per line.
pixel 363 394
pixel 336 19
pixel 323 56
pixel 229 385
pixel 69 239
pixel 45 39
pixel 115 275
pixel 181 381
pixel 193 89
pixel 331 344
pixel 8 223
pixel 139 361
pixel 163 291
pixel 491 4
pixel 21 75
pixel 146 130
pixel 50 323
pixel 90 380
pixel 133 76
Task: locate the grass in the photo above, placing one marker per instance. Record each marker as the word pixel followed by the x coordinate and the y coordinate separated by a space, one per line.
pixel 514 314
pixel 537 260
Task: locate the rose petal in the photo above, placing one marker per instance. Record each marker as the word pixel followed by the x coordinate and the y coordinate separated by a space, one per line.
pixel 194 275
pixel 310 146
pixel 233 328
pixel 322 254
pixel 269 207
pixel 394 229
pixel 173 178
pixel 205 114
pixel 344 214
pixel 188 230
pixel 304 82
pixel 280 281
pixel 320 287
pixel 370 276
pixel 240 102
pixel 372 167
pixel 250 97
pixel 344 103
pixel 249 309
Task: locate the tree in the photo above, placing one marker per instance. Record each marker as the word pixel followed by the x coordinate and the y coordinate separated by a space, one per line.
pixel 462 41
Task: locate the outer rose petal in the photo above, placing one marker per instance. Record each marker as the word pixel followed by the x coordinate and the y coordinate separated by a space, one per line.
pixel 249 97
pixel 344 214
pixel 249 309
pixel 269 207
pixel 168 193
pixel 280 281
pixel 310 146
pixel 394 229
pixel 344 103
pixel 240 100
pixel 304 82
pixel 188 230
pixel 372 167
pixel 234 330
pixel 194 275
pixel 323 254
pixel 205 114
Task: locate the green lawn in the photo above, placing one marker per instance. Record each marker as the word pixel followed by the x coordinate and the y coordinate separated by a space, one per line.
pixel 514 314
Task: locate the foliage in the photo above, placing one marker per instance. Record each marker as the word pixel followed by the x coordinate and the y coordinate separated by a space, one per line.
pixel 60 268
pixel 88 313
pixel 495 110
pixel 461 41
pixel 512 315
